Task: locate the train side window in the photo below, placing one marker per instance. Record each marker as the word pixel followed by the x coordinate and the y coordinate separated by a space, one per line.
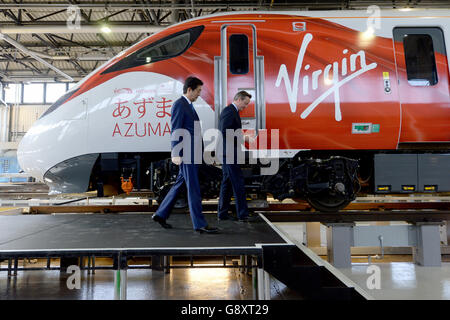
pixel 163 49
pixel 239 54
pixel 59 102
pixel 420 60
pixel 421 45
pixel 169 48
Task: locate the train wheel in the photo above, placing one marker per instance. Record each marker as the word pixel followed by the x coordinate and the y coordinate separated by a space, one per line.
pixel 327 202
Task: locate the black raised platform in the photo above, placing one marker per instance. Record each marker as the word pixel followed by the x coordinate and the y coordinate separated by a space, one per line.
pixel 123 236
pixel 96 233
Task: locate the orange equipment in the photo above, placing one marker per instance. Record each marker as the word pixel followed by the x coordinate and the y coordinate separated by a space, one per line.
pixel 127 184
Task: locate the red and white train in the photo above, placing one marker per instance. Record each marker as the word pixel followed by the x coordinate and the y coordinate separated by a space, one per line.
pixel 345 89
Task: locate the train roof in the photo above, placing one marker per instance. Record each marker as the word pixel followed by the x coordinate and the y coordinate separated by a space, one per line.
pixel 324 14
pixel 407 13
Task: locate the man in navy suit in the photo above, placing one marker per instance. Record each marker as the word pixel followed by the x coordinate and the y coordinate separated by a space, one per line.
pixel 233 179
pixel 186 153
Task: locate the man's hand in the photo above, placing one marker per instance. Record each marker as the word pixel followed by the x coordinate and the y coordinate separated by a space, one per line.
pixel 248 138
pixel 176 160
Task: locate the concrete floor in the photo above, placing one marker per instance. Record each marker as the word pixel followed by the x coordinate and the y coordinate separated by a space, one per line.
pixel 180 284
pixel 398 281
pixel 403 280
pixel 400 278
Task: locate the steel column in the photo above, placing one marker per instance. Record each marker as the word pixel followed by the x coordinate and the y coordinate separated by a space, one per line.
pixel 339 241
pixel 428 250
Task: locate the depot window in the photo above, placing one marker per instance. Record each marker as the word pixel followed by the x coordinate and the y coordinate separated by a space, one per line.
pixel 163 49
pixel 33 93
pixel 59 102
pixel 420 60
pixel 238 54
pixel 54 91
pixel 13 93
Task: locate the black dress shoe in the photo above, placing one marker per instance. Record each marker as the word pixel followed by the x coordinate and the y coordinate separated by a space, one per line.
pixel 228 217
pixel 207 229
pixel 161 221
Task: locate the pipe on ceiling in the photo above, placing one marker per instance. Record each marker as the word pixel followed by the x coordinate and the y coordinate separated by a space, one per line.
pixel 33 54
pixel 59 29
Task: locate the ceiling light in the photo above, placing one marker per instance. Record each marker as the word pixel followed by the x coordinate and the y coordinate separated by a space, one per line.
pixel 105 29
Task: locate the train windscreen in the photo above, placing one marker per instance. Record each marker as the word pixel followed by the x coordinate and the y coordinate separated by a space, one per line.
pixel 163 49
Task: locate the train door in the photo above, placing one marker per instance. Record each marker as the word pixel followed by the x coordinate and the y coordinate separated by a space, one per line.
pixel 240 68
pixel 423 75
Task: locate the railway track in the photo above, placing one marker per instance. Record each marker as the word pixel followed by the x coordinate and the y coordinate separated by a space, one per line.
pixel 271 207
pixel 399 207
pixel 413 211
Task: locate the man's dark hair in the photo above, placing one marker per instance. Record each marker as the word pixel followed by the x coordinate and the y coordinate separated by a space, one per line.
pixel 241 95
pixel 191 82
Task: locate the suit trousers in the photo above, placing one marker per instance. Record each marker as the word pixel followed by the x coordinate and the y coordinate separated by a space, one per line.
pixel 232 183
pixel 188 174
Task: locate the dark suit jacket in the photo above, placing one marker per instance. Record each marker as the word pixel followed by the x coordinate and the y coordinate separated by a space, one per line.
pixel 230 119
pixel 183 117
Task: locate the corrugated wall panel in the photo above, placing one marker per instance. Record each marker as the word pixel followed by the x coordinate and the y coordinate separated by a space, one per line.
pixel 23 118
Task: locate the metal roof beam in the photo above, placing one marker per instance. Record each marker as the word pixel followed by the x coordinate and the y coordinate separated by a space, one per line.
pixel 8 13
pixel 83 15
pixel 49 15
pixel 45 42
pixel 112 15
pixel 130 6
pixel 61 28
pixel 29 52
pixel 78 44
pixel 224 5
pixel 18 61
pixel 87 46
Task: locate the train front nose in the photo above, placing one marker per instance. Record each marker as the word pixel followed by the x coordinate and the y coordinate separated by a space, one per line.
pixel 55 149
pixel 32 152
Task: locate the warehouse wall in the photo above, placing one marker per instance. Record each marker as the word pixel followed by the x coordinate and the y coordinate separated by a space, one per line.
pixel 4 122
pixel 15 121
pixel 22 118
pixel 26 102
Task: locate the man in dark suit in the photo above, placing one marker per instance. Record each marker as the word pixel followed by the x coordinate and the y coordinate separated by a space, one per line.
pixel 233 179
pixel 185 154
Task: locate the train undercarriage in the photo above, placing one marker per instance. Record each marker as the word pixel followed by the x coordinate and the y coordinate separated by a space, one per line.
pixel 328 185
pixel 329 181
